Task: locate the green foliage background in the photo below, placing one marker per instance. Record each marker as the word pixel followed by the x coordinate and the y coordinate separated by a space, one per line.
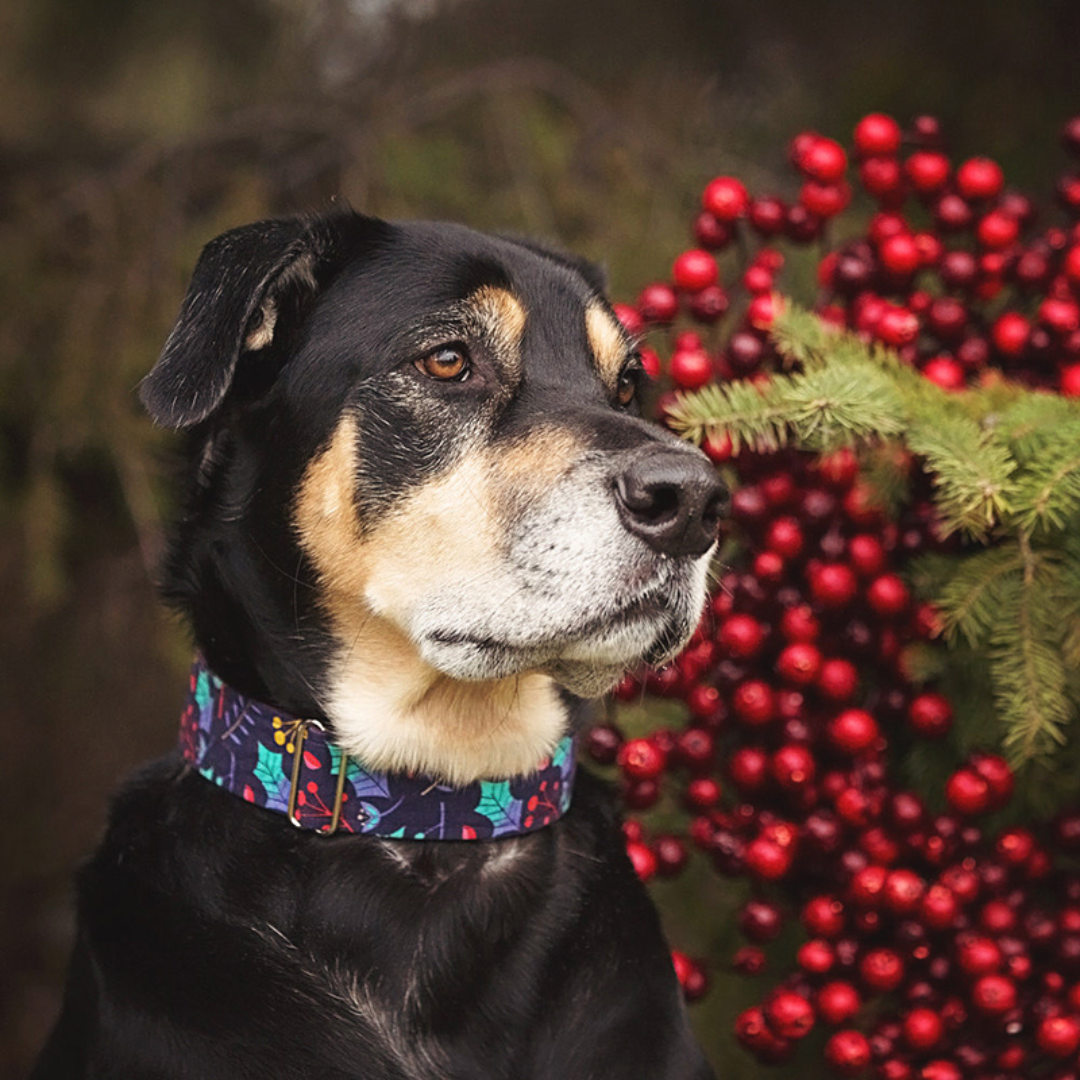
pixel 132 131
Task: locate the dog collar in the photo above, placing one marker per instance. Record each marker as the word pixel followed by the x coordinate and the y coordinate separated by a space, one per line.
pixel 278 761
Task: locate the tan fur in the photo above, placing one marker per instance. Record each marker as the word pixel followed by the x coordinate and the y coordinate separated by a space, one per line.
pixel 261 336
pixel 608 342
pixel 502 321
pixel 300 272
pixel 390 708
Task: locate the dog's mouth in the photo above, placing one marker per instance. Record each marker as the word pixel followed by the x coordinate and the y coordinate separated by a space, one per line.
pixel 650 608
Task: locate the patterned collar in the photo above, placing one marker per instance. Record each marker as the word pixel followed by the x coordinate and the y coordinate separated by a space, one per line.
pixel 274 760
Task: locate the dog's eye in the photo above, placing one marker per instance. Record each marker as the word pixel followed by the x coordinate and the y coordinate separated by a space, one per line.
pixel 628 382
pixel 450 363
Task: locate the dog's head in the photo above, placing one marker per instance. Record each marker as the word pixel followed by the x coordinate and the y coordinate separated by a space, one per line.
pixel 423 498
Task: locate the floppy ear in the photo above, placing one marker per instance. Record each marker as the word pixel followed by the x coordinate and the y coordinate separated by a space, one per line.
pixel 241 282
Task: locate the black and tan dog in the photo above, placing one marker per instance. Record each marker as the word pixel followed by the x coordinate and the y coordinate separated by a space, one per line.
pixel 422 511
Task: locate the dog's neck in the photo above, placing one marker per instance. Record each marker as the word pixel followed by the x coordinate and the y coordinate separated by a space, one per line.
pixel 281 762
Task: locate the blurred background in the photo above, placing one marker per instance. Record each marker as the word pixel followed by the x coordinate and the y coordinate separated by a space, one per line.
pixel 133 131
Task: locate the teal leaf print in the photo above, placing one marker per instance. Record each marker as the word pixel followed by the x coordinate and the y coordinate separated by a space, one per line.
pixel 498 805
pixel 270 772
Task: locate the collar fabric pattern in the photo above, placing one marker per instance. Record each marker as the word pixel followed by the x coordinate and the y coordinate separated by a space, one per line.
pixel 255 751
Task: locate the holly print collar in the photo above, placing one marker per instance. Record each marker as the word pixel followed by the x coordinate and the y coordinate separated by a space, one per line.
pixel 282 763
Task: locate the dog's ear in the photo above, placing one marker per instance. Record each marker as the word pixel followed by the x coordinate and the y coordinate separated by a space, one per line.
pixel 243 282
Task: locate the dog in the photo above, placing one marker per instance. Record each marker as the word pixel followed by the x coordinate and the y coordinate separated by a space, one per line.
pixel 423 524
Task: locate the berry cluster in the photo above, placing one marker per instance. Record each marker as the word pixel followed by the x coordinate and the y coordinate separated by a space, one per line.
pixel 952 270
pixel 934 946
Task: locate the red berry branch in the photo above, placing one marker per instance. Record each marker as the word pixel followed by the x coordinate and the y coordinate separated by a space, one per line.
pixel 933 943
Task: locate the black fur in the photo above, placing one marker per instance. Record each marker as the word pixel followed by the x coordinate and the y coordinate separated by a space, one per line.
pixel 215 940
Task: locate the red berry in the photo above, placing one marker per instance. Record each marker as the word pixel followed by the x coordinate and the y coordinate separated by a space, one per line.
pixel 741 636
pixel 883 178
pixel 693 270
pixel 789 1015
pixel 927 170
pixel 997 230
pixel 833 584
pixel 799 623
pixel 945 372
pixel 1015 846
pixel 799 663
pixel 853 731
pixel 994 994
pixel 897 326
pixel 881 970
pixel 761 312
pixel 978 955
pixel 784 536
pixel 641 759
pixel 793 766
pixel 848 1053
pixel 838 679
pixel 824 200
pixel 753 702
pixel 922 1029
pixel 748 768
pixel 903 892
pixel 603 742
pixel 703 793
pixel 725 198
pixel 767 860
pixel 941 1069
pixel 816 956
pixel 767 215
pixel 1060 316
pixel 1058 1036
pixel 671 856
pixel 823 916
pixel 952 214
pixel 930 714
pixel 998 774
pixel 691 975
pixel 968 793
pixel 876 133
pixel 938 909
pixel 979 178
pixel 867 886
pixel 630 318
pixel 837 1002
pixel 761 921
pixel 1070 264
pixel 643 859
pixel 888 595
pixel 712 233
pixel 824 160
pixel 658 303
pixel 1070 380
pixel 899 255
pixel 753 1033
pixel 691 368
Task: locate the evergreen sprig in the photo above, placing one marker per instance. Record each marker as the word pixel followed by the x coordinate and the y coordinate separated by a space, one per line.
pixel 1004 462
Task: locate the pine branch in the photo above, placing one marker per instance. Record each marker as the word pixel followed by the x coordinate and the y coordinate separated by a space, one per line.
pixel 1027 670
pixel 1034 420
pixel 1048 493
pixel 749 415
pixel 970 469
pixel 970 602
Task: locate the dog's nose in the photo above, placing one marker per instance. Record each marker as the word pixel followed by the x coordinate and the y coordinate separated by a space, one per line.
pixel 673 500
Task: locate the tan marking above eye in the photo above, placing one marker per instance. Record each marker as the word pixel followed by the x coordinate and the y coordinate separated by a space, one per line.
pixel 608 342
pixel 501 317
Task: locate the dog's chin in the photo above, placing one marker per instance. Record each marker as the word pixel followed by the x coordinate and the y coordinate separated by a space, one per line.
pixel 587 665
